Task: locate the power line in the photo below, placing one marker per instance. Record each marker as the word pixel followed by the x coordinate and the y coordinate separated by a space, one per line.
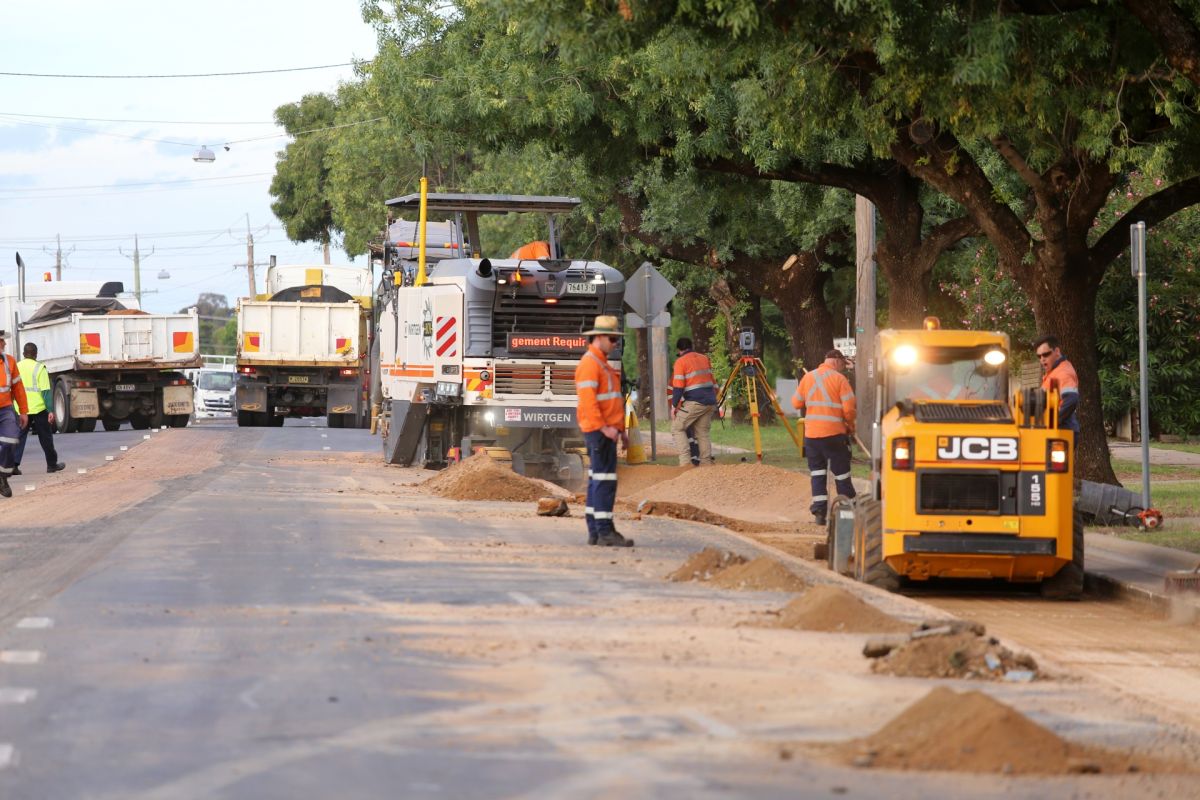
pixel 302 133
pixel 176 75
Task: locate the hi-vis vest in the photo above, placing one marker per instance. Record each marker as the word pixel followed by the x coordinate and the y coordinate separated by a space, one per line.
pixel 598 389
pixel 827 401
pixel 31 371
pixel 693 374
pixel 12 389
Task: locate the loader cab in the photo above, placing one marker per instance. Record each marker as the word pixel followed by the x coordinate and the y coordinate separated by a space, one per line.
pixel 931 371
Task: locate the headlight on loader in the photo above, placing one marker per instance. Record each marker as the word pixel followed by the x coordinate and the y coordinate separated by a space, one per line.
pixel 995 358
pixel 904 356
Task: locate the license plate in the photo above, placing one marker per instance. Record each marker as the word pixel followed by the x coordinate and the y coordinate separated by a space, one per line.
pixel 125 387
pixel 297 379
pixel 581 288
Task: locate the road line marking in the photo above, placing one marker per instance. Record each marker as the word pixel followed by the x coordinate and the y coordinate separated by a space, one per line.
pixel 7 752
pixel 524 599
pixel 380 506
pixel 35 623
pixel 17 696
pixel 109 458
pixel 20 656
pixel 124 447
pixel 714 728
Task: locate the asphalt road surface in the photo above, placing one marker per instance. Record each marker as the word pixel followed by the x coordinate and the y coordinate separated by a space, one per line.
pixel 271 613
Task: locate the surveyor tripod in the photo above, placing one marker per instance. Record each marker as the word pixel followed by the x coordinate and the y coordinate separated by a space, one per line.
pixel 751 370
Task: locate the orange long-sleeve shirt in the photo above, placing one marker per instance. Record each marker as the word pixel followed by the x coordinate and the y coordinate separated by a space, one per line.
pixel 598 389
pixel 12 389
pixel 825 397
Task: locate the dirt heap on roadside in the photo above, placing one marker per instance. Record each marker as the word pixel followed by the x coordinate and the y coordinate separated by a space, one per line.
pixel 481 478
pixel 726 570
pixel 972 732
pixel 955 654
pixel 833 609
pixel 749 492
pixel 633 480
pixel 704 565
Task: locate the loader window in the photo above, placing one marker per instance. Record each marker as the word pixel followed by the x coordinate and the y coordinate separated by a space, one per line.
pixel 948 374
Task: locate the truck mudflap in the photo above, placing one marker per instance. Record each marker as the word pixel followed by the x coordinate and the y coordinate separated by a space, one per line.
pixel 177 400
pixel 85 403
pixel 343 399
pixel 403 433
pixel 251 398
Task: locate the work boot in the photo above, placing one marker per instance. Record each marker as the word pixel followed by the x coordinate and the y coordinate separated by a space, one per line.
pixel 5 489
pixel 591 538
pixel 56 467
pixel 819 519
pixel 613 539
pixel 16 470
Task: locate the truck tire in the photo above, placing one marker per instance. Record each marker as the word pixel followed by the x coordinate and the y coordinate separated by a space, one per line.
pixel 62 409
pixel 85 425
pixel 276 420
pixel 869 566
pixel 245 419
pixel 177 420
pixel 1067 583
pixel 335 421
pixel 111 424
pixel 139 422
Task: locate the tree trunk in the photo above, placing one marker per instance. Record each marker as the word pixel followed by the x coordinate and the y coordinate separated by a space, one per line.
pixel 643 368
pixel 1064 304
pixel 699 316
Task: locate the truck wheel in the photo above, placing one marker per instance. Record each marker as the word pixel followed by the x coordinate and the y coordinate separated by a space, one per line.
pixel 276 420
pixel 869 566
pixel 1067 583
pixel 335 420
pixel 140 422
pixel 177 420
pixel 245 419
pixel 62 409
pixel 85 425
pixel 110 424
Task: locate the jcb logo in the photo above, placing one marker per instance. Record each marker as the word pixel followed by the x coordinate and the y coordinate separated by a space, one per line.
pixel 976 448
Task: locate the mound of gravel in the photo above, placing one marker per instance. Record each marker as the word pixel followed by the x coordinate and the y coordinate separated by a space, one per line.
pixel 481 478
pixel 835 610
pixel 749 492
pixel 955 654
pixel 704 565
pixel 762 574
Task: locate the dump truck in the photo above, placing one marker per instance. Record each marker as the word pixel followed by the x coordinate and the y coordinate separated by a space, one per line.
pixel 302 347
pixel 967 481
pixel 479 353
pixel 114 364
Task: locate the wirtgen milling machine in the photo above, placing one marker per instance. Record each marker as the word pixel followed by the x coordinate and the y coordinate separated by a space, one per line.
pixel 966 481
pixel 481 352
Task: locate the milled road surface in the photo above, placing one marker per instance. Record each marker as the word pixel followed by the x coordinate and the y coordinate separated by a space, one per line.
pixel 271 613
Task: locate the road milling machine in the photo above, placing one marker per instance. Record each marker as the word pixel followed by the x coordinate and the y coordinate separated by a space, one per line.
pixel 477 352
pixel 967 482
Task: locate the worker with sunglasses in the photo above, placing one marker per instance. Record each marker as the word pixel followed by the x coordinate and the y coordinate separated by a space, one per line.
pixel 1058 372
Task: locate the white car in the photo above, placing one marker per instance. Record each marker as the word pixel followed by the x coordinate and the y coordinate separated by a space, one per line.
pixel 214 393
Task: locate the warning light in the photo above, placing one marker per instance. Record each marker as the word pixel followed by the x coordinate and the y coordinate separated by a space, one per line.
pixel 932 323
pixel 516 276
pixel 47 277
pixel 551 300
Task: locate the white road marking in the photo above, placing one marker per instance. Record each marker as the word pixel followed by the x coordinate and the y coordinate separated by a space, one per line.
pixel 109 458
pixel 523 599
pixel 29 487
pixel 11 696
pixel 35 623
pixel 81 471
pixel 146 436
pixel 714 728
pixel 7 753
pixel 124 447
pixel 380 506
pixel 326 447
pixel 20 656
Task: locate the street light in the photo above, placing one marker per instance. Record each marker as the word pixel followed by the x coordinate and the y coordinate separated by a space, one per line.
pixel 163 275
pixel 204 155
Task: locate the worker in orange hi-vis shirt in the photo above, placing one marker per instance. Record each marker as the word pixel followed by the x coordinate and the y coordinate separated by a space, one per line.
pixel 13 415
pixel 600 412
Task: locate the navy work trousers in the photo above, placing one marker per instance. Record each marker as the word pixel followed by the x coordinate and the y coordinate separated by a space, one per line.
pixel 828 454
pixel 39 423
pixel 10 437
pixel 602 484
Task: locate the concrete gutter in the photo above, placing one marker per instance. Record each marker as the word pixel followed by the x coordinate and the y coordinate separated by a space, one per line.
pixel 1134 571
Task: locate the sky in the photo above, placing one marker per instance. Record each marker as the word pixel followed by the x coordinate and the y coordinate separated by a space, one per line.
pixel 70 172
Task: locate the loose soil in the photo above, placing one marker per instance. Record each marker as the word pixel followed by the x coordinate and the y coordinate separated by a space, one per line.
pixel 633 480
pixel 704 565
pixel 762 574
pixel 755 493
pixel 833 609
pixel 972 732
pixel 960 655
pixel 481 478
pixel 659 508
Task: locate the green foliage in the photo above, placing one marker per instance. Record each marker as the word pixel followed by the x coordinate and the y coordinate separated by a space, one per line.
pixel 301 201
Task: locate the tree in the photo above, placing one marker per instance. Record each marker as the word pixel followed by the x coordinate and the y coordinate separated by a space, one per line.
pixel 213 310
pixel 301 201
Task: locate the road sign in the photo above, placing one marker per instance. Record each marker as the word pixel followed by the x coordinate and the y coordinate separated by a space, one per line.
pixel 632 320
pixel 647 292
pixel 847 346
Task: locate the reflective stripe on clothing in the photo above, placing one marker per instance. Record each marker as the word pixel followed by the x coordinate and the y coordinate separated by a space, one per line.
pixel 825 455
pixel 693 379
pixel 1062 375
pixel 819 391
pixel 36 379
pixel 12 389
pixel 598 393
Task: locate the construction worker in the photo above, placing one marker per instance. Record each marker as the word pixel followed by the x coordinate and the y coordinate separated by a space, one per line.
pixel 827 402
pixel 1059 372
pixel 694 398
pixel 601 415
pixel 36 379
pixel 13 415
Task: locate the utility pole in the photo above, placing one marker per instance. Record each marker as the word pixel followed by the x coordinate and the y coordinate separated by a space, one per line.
pixel 137 267
pixel 250 263
pixel 58 257
pixel 864 363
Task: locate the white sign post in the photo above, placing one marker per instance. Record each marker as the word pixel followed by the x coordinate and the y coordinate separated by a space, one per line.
pixel 647 293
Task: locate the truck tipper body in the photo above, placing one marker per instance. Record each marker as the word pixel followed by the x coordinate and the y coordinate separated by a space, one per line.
pixel 302 347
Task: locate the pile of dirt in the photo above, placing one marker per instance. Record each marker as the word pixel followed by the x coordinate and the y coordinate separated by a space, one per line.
pixel 704 565
pixel 762 574
pixel 633 480
pixel 971 732
pixel 748 492
pixel 481 478
pixel 833 609
pixel 658 508
pixel 951 653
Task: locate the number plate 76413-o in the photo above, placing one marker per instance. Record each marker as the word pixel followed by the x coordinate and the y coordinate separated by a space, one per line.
pixel 125 387
pixel 297 379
